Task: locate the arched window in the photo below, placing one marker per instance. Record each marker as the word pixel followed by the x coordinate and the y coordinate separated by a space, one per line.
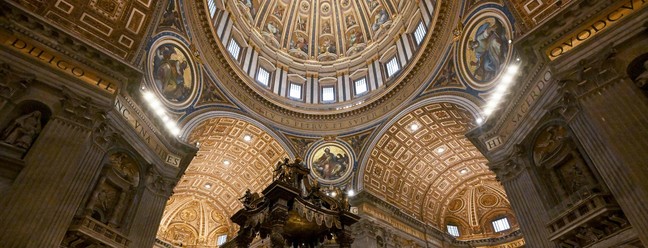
pixel 501 224
pixel 453 230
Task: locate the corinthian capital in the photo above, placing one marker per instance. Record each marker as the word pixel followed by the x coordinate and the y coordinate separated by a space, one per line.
pixel 510 167
pixel 158 183
pixel 79 109
pixel 13 82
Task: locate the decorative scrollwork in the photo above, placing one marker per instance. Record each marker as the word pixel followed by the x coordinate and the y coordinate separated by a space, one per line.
pixel 159 183
pixel 13 82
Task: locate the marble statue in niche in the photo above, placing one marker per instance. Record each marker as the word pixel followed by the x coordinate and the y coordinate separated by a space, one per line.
pixel 23 130
pixel 487 50
pixel 107 198
pixel 172 73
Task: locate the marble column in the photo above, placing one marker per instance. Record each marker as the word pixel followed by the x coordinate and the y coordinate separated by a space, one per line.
pixel 58 172
pixel 147 216
pixel 525 198
pixel 527 203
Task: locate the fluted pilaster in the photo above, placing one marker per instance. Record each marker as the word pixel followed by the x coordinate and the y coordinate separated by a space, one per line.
pixel 45 196
pixel 149 212
pixel 529 209
pixel 147 219
pixel 613 129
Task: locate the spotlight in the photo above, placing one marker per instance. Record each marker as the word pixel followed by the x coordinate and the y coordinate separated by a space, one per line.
pixel 440 150
pixel 351 192
pixel 247 138
pixel 513 69
pixel 148 96
pixel 414 126
pixel 480 120
pixel 463 171
pixel 226 162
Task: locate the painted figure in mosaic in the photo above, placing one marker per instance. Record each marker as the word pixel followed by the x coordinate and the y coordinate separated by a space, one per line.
pixel 301 24
pixel 327 47
pixel 372 4
pixel 379 19
pixel 301 44
pixel 327 27
pixel 330 165
pixel 170 66
pixel 274 30
pixel 350 21
pixel 490 50
pixel 355 37
pixel 22 131
pixel 279 11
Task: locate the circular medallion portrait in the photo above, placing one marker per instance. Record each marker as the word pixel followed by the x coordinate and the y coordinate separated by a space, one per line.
pixel 485 49
pixel 330 162
pixel 172 72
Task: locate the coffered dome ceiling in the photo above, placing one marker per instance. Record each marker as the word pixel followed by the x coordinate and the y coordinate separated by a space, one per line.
pixel 323 58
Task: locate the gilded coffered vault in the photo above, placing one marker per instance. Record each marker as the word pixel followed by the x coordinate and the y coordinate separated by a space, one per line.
pixel 419 169
pixel 118 26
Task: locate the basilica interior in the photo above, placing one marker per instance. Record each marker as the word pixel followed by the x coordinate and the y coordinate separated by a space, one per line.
pixel 324 123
